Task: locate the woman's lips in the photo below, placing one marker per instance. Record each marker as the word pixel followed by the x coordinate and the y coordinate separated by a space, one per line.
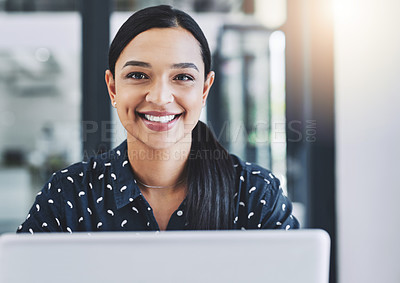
pixel 159 121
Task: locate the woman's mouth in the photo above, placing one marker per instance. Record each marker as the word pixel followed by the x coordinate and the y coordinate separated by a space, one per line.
pixel 159 121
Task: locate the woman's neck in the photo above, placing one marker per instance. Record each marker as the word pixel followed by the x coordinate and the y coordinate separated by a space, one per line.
pixel 158 167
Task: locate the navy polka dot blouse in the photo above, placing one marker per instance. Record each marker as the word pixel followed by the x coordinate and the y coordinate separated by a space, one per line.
pixel 102 195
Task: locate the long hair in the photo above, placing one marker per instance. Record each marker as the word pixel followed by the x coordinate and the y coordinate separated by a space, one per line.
pixel 210 172
pixel 210 182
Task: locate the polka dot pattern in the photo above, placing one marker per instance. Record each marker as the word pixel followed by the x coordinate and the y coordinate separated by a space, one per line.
pixel 101 194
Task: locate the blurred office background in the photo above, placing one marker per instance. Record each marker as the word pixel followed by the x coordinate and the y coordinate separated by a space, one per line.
pixel 307 88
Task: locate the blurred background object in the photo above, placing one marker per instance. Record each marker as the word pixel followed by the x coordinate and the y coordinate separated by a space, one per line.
pixel 40 109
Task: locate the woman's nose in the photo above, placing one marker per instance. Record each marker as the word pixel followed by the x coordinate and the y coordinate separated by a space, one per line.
pixel 160 93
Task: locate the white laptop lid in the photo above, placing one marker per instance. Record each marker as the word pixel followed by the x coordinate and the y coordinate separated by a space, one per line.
pixel 300 256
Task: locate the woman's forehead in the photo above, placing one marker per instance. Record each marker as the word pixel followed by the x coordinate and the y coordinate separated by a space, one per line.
pixel 176 45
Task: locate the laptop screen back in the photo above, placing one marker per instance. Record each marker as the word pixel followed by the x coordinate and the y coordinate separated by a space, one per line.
pixel 300 256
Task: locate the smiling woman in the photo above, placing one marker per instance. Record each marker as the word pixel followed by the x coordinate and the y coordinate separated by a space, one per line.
pixel 160 93
pixel 170 173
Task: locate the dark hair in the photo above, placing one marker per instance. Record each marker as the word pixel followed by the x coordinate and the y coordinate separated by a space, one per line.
pixel 210 171
pixel 211 182
pixel 162 16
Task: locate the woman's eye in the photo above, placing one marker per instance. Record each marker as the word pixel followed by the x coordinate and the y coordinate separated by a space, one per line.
pixel 183 77
pixel 137 76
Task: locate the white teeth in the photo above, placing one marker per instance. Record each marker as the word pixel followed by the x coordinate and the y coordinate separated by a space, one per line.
pixel 161 119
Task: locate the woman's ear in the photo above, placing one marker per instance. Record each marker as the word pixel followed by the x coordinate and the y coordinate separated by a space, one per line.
pixel 207 85
pixel 111 87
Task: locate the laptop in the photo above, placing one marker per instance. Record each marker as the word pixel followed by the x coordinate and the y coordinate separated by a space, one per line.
pixel 300 256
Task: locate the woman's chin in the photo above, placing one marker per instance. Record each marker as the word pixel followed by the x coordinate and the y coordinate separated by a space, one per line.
pixel 161 140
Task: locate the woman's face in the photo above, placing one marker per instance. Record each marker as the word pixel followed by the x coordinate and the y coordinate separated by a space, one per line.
pixel 159 87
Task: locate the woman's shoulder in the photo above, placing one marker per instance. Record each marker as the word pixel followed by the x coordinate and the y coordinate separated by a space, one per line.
pixel 252 173
pixel 255 185
pixel 260 200
pixel 80 188
pixel 94 168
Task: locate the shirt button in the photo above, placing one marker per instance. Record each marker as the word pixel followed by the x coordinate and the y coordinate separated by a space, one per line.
pixel 179 213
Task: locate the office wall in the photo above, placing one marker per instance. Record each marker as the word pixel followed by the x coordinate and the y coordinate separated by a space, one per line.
pixel 367 89
pixel 40 105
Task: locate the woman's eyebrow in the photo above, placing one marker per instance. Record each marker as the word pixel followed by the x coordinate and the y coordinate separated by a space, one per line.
pixel 185 66
pixel 137 63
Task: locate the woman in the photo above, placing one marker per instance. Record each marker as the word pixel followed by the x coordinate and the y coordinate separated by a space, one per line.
pixel 170 173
